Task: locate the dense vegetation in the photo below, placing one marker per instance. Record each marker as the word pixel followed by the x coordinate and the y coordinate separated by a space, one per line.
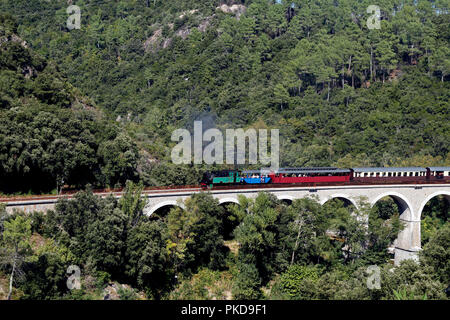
pixel 340 93
pixel 276 251
pixel 49 133
pixel 97 106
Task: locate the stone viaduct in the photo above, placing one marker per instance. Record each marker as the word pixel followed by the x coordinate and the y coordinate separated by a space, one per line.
pixel 411 200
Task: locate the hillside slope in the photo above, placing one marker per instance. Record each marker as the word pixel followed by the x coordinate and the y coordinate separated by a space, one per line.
pixel 341 94
pixel 50 134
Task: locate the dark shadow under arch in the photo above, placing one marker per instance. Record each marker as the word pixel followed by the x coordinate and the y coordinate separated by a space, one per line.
pixel 345 201
pixel 162 212
pixel 229 220
pixel 434 215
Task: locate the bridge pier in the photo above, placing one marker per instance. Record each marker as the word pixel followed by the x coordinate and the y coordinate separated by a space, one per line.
pixel 407 245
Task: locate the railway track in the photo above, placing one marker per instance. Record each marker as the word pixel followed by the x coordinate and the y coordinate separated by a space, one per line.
pixel 195 188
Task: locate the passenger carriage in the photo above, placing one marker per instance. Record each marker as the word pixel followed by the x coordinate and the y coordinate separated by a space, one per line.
pixel 389 174
pixel 310 175
pixel 438 173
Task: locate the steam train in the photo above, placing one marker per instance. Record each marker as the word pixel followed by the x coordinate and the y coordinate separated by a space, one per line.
pixel 328 175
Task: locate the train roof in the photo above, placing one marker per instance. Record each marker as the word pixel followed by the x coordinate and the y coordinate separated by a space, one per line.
pixel 391 169
pixel 313 170
pixel 308 168
pixel 439 168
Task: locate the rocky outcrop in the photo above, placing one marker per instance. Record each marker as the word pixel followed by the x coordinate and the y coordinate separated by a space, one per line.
pixel 157 41
pixel 153 42
pixel 112 292
pixel 13 38
pixel 236 9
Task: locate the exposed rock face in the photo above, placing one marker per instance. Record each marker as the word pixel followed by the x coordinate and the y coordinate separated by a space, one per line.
pixel 205 24
pixel 152 43
pixel 156 41
pixel 190 12
pixel 183 33
pixel 27 71
pixel 167 43
pixel 111 292
pixel 237 9
pixel 13 38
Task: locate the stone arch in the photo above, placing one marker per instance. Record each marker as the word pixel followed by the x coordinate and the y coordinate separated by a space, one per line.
pixel 446 194
pixel 404 206
pixel 286 199
pixel 345 197
pixel 228 226
pixel 229 200
pixel 407 243
pixel 160 205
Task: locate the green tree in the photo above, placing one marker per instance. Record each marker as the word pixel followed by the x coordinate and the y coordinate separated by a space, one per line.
pixel 195 234
pixel 119 158
pixel 148 262
pixel 16 235
pixel 257 236
pixel 436 253
pixel 298 283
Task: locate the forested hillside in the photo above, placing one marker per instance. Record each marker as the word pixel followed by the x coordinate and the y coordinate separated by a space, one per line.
pixel 97 106
pixel 50 134
pixel 341 94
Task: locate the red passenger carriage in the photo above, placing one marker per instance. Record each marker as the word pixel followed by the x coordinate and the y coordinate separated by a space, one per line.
pixel 310 175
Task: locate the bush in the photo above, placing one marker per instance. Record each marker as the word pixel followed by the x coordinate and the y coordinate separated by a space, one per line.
pixel 297 283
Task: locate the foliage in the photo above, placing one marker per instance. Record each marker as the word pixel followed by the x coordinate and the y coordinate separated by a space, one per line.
pixel 434 216
pixel 204 285
pixel 147 260
pixel 195 237
pixel 340 94
pixel 412 281
pixel 436 253
pixel 45 273
pixel 295 283
pixel 15 246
